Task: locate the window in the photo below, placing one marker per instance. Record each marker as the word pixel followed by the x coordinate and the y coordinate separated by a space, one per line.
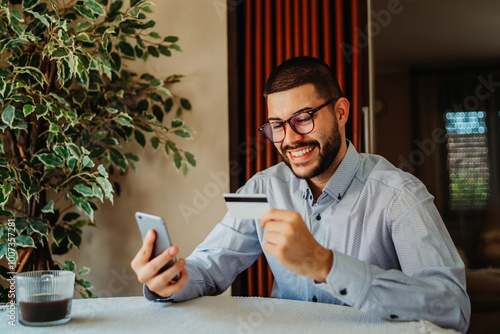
pixel 467 160
pixel 458 108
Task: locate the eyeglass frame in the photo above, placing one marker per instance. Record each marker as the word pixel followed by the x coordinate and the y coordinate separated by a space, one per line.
pixel 282 123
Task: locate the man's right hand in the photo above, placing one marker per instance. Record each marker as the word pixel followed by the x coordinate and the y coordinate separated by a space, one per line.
pixel 147 271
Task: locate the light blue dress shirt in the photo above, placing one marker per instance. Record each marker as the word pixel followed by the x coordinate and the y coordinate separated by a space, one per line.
pixel 393 256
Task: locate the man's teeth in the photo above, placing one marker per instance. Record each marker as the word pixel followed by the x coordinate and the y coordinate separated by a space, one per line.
pixel 301 152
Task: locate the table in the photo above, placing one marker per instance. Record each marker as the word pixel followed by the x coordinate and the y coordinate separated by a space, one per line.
pixel 221 314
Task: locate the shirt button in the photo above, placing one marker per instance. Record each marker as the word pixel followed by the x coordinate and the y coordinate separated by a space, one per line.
pixel 314 299
pixel 318 217
pixel 343 292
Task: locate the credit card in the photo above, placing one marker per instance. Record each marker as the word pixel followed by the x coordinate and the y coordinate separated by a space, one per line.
pixel 247 206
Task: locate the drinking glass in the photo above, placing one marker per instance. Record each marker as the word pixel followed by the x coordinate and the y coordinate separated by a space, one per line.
pixel 44 297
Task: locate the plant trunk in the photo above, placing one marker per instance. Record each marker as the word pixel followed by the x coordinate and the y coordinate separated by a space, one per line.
pixel 40 257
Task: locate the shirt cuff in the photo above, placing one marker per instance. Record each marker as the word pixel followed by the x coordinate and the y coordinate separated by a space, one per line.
pixel 176 297
pixel 150 295
pixel 348 280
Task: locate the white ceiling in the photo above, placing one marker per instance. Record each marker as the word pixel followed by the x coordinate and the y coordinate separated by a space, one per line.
pixel 435 31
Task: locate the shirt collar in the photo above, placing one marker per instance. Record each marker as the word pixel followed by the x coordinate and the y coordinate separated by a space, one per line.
pixel 342 178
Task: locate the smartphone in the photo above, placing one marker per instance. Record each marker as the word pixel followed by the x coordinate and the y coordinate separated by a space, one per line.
pixel 147 222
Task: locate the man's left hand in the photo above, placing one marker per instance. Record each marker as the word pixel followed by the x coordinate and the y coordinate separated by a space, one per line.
pixel 288 239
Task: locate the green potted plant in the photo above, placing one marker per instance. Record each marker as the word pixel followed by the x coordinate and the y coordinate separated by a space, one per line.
pixel 68 103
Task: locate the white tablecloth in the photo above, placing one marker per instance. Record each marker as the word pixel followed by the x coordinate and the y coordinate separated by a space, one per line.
pixel 222 314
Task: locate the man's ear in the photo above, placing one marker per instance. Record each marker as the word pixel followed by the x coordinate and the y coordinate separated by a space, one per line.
pixel 342 111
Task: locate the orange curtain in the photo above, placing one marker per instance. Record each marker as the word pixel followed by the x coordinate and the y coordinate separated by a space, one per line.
pixel 262 34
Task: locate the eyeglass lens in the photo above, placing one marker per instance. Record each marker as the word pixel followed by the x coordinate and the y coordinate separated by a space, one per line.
pixel 301 123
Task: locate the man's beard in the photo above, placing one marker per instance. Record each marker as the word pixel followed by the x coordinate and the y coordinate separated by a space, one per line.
pixel 327 155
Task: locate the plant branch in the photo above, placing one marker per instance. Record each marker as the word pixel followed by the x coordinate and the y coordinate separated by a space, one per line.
pixel 92 175
pixel 51 67
pixel 24 258
pixel 13 147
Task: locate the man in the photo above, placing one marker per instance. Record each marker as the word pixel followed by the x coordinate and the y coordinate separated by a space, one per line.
pixel 347 228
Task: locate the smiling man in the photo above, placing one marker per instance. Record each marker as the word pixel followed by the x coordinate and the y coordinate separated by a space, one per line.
pixel 346 228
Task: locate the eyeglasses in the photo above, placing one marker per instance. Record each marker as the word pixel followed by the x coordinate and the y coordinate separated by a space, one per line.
pixel 301 122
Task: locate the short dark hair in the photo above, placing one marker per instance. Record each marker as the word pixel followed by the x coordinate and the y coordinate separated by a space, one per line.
pixel 299 71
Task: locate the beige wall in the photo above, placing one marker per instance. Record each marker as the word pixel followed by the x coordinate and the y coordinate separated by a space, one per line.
pixel 156 187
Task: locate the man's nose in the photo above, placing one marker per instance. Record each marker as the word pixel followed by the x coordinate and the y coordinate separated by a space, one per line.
pixel 291 136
